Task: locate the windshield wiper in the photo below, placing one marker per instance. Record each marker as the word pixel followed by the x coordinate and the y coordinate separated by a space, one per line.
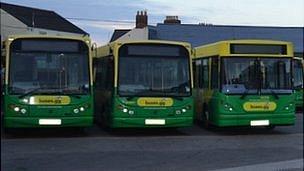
pixel 155 91
pixel 177 98
pixel 60 92
pixel 274 94
pixel 298 87
pixel 50 92
pixel 245 93
pixel 30 92
pixel 137 94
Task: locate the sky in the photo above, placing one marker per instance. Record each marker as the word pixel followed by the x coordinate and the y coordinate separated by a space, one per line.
pixel 100 17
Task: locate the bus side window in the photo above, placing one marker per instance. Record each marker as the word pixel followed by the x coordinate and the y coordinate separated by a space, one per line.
pixel 98 73
pixel 214 73
pixel 199 73
pixel 101 74
pixel 194 74
pixel 110 73
pixel 205 73
pixel 104 74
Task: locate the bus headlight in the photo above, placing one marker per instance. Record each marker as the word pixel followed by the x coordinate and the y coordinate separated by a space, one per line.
pixel 125 110
pixel 76 110
pixel 25 100
pixel 16 109
pixel 81 109
pixel 184 110
pixel 131 112
pixel 288 107
pixel 23 111
pixel 178 112
pixel 228 107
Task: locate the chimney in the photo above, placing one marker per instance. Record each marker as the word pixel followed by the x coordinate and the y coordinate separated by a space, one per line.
pixel 141 19
pixel 172 20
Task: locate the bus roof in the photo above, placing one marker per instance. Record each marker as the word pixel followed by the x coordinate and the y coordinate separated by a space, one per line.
pixel 81 38
pixel 222 48
pixel 113 46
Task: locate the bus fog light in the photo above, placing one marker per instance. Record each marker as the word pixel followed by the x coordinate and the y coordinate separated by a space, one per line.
pixel 23 111
pixel 81 109
pixel 131 112
pixel 16 109
pixel 287 108
pixel 184 110
pixel 76 110
pixel 178 112
pixel 125 110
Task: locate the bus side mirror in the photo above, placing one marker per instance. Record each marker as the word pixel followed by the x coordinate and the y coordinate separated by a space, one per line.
pixel 94 47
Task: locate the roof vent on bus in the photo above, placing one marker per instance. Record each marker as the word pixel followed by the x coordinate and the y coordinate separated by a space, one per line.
pixel 172 20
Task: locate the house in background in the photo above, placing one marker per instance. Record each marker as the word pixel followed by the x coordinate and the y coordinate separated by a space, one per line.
pixel 140 32
pixel 201 34
pixel 17 19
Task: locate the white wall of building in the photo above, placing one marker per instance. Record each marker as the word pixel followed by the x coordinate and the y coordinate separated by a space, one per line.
pixel 10 25
pixel 136 34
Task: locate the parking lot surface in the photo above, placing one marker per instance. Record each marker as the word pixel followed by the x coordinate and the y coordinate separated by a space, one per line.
pixel 193 148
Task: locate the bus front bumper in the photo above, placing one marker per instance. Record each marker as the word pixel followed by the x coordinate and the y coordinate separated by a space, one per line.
pixel 31 122
pixel 249 119
pixel 151 122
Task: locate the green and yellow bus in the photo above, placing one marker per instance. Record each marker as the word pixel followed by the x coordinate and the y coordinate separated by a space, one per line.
pixel 298 65
pixel 143 84
pixel 48 81
pixel 244 83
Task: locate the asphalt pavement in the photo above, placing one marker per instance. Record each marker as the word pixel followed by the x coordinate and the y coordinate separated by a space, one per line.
pixel 193 148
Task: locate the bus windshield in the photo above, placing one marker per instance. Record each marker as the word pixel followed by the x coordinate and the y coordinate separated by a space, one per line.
pixel 251 75
pixel 48 68
pixel 146 71
pixel 298 74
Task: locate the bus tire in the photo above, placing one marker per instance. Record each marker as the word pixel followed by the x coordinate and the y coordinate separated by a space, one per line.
pixel 270 127
pixel 7 131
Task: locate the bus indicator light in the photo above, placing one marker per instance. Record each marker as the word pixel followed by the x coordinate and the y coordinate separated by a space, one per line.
pixel 23 111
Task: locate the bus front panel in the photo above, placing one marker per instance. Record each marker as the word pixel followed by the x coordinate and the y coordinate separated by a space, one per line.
pixel 154 87
pixel 48 84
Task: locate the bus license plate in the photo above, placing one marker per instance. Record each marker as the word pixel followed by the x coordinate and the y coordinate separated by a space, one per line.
pixel 49 121
pixel 259 123
pixel 155 121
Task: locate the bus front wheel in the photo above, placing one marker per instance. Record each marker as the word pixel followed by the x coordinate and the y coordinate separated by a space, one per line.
pixel 270 127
